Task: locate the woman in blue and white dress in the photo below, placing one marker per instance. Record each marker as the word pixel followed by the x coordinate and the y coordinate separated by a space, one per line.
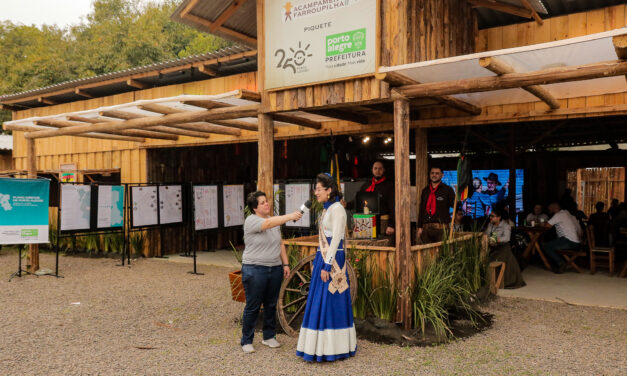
pixel 328 331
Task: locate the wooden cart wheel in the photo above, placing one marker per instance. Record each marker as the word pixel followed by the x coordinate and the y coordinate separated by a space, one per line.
pixel 294 291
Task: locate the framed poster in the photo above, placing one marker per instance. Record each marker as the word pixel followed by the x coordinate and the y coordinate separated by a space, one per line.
pixel 75 207
pixel 110 211
pixel 206 213
pixel 309 41
pixel 233 205
pixel 295 195
pixel 24 211
pixel 170 204
pixel 144 206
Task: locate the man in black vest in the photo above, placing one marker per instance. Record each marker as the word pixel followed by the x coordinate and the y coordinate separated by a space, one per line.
pixel 435 201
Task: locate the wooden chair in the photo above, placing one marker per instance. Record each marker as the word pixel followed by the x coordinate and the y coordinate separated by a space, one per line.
pixel 571 255
pixel 497 279
pixel 605 254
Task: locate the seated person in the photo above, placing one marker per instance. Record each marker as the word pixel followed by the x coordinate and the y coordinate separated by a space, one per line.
pixel 498 233
pixel 568 236
pixel 536 215
pixel 600 222
pixel 460 222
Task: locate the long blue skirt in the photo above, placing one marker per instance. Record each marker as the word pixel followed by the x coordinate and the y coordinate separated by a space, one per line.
pixel 328 332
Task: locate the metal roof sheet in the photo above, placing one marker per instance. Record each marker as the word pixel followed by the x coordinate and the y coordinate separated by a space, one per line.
pixel 6 142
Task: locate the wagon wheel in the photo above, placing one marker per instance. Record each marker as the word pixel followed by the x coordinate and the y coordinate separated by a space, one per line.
pixel 294 291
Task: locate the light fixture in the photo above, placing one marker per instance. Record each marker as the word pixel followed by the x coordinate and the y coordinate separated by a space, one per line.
pixel 366 139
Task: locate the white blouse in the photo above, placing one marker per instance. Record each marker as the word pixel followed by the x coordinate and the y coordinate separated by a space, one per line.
pixel 333 225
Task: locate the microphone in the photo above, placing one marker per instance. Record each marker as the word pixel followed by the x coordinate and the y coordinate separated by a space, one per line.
pixel 305 206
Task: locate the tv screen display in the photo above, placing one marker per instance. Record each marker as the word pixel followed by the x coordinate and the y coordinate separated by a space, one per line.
pixel 491 188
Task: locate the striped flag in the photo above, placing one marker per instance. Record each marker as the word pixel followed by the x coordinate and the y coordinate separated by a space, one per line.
pixel 464 179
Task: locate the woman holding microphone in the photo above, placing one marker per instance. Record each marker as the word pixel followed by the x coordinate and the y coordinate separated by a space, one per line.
pixel 264 264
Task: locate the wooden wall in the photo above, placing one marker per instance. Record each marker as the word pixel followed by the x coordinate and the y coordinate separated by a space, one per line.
pixel 6 161
pixel 410 31
pixel 129 157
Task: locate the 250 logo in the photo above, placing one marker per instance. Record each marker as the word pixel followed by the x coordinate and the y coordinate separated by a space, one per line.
pixel 292 59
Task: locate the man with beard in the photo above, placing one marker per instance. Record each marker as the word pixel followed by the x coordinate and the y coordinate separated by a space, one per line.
pixel 492 197
pixel 436 200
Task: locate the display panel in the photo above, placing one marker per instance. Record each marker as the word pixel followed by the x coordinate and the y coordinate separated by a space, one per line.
pixel 110 206
pixel 233 200
pixel 144 203
pixel 205 207
pixel 24 211
pixel 75 207
pixel 491 188
pixel 170 204
pixel 295 195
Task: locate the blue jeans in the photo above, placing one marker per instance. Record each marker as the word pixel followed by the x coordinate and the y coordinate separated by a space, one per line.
pixel 261 285
pixel 554 245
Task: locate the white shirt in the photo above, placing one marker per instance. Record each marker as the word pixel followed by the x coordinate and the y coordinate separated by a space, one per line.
pixel 503 231
pixel 334 224
pixel 537 218
pixel 566 226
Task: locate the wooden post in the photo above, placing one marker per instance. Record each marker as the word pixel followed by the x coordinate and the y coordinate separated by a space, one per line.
pixel 401 189
pixel 422 176
pixel 265 145
pixel 512 174
pixel 31 164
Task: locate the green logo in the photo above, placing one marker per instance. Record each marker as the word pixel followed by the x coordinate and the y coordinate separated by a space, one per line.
pixel 349 41
pixel 30 233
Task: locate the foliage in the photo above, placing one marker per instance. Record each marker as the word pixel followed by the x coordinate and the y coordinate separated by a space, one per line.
pixel 137 241
pixel 236 253
pixel 113 243
pixel 116 35
pixel 447 284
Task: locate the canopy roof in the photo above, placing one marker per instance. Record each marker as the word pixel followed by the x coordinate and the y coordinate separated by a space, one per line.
pixel 579 51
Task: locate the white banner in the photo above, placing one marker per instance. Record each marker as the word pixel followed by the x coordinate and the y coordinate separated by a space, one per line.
pixel 309 41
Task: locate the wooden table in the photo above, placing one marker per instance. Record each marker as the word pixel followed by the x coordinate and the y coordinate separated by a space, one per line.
pixel 534 235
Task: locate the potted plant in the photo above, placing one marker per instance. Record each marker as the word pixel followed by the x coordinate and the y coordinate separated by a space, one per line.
pixel 235 278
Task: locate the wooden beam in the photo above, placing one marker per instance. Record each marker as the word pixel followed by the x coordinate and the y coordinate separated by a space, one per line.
pixel 82 93
pixel 137 84
pixel 500 67
pixel 397 79
pixel 240 124
pixel 341 115
pixel 209 128
pixel 230 32
pixel 402 205
pixel 515 80
pixel 620 46
pixel 28 128
pixel 188 117
pixel 31 165
pixel 204 69
pixel 265 164
pixel 303 122
pixel 181 131
pixel 534 14
pixel 422 176
pixel 224 16
pixel 502 7
pixel 47 101
pixel 209 105
pixel 496 146
pixel 131 132
pixel 161 109
pixel 249 95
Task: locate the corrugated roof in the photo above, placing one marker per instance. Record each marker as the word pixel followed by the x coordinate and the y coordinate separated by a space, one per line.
pixel 128 72
pixel 6 142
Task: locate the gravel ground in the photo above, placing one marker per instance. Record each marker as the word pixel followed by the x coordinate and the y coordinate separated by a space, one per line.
pixel 156 319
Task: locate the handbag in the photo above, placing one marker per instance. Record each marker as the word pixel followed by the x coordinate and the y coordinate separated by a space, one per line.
pixel 338 282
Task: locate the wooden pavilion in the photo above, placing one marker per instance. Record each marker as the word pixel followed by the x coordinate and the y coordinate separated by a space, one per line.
pixel 429 67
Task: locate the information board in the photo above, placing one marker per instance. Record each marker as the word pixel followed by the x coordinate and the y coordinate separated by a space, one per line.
pixel 205 207
pixel 170 204
pixel 110 206
pixel 24 211
pixel 295 195
pixel 233 204
pixel 144 203
pixel 75 207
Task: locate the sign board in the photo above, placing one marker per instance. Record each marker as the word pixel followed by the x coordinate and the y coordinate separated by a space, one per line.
pixel 170 204
pixel 205 207
pixel 24 211
pixel 144 204
pixel 295 195
pixel 364 226
pixel 110 206
pixel 233 199
pixel 67 173
pixel 75 207
pixel 310 41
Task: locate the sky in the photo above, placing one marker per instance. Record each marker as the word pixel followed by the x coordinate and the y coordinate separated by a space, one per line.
pixel 50 12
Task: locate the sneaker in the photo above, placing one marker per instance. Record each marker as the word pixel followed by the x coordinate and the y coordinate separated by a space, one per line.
pixel 272 342
pixel 248 348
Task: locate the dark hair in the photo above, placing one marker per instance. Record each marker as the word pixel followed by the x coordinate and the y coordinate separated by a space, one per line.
pixel 498 212
pixel 599 205
pixel 437 168
pixel 328 182
pixel 251 200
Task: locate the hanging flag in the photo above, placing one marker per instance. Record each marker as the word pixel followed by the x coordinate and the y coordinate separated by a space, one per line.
pixel 464 179
pixel 334 170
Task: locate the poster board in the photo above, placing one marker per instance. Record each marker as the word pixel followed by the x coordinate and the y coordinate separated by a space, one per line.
pixel 233 205
pixel 75 207
pixel 364 226
pixel 144 206
pixel 67 173
pixel 170 204
pixel 206 213
pixel 309 41
pixel 295 195
pixel 24 211
pixel 110 206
